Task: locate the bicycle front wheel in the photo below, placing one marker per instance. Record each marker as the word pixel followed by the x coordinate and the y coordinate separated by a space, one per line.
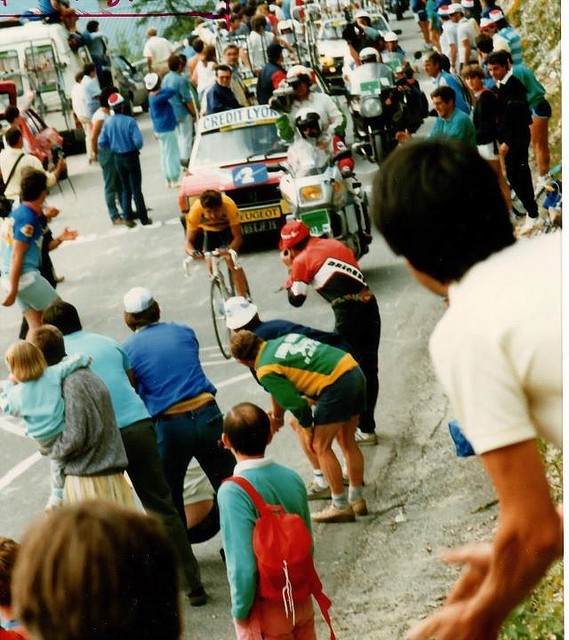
pixel 222 333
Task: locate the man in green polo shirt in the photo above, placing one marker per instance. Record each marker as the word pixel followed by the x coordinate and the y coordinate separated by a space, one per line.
pixel 300 372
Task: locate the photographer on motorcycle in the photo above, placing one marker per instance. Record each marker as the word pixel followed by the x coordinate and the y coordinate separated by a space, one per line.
pixel 332 121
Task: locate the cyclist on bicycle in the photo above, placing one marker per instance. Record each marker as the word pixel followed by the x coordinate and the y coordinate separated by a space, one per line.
pixel 216 216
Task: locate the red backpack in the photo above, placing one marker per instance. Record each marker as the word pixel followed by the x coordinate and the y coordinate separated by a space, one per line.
pixel 283 548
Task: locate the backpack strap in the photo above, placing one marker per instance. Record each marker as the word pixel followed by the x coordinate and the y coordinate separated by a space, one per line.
pixel 250 490
pixel 12 171
pixel 321 598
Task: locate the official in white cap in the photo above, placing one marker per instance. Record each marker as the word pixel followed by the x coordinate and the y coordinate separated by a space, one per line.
pixel 121 135
pixel 168 375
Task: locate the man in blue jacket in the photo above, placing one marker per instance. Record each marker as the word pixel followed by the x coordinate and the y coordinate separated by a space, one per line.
pixel 122 136
pixel 220 97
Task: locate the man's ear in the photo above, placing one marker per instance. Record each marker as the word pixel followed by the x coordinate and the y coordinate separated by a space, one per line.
pixel 431 283
pixel 225 441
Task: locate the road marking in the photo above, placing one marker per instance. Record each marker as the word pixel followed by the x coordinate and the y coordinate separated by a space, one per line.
pixel 18 470
pixel 226 383
pixel 115 233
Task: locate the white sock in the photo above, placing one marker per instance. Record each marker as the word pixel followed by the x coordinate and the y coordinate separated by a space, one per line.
pixel 355 493
pixel 319 478
pixel 340 500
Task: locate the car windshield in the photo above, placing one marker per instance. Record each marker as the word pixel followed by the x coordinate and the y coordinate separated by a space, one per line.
pixel 222 148
pixel 331 30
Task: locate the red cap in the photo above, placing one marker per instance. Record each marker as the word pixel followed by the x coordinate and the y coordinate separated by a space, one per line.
pixel 115 99
pixel 292 233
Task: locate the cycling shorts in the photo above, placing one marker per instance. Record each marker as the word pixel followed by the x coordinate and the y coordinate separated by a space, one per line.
pixel 213 240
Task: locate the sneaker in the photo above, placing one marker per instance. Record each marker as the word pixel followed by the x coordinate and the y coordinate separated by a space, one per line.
pixel 146 222
pixel 333 514
pixel 359 507
pixel 316 492
pixel 119 221
pixel 130 223
pixel 365 439
pixel 529 226
pixel 198 597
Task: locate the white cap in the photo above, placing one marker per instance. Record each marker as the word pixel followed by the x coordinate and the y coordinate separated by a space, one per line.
pixel 390 36
pixel 115 99
pixel 151 80
pixel 455 7
pixel 238 312
pixel 443 10
pixel 137 300
pixel 495 15
pixel 362 13
pixel 467 4
pixel 484 22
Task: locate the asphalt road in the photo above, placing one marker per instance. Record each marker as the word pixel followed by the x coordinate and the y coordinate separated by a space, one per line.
pixel 376 570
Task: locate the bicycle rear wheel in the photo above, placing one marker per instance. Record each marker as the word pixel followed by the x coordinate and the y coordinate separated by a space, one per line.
pixel 218 296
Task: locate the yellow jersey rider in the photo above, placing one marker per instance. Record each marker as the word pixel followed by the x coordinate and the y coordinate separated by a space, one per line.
pixel 216 216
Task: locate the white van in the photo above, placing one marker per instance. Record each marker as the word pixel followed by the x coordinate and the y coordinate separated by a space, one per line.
pixel 37 57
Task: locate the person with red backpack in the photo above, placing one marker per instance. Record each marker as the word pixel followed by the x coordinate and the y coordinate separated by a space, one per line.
pixel 268 547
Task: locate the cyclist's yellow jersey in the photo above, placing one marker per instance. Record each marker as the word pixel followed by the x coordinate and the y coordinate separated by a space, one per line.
pixel 197 219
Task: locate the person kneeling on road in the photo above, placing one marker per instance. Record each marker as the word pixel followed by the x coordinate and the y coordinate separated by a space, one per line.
pixel 294 368
pixel 242 314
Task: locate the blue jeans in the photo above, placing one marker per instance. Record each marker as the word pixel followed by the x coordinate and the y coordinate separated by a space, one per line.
pixel 147 475
pixel 185 134
pixel 169 155
pixel 111 181
pixel 193 434
pixel 128 168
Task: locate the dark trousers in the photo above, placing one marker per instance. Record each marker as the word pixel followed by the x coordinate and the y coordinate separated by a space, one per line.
pixel 128 168
pixel 147 475
pixel 519 177
pixel 193 434
pixel 359 323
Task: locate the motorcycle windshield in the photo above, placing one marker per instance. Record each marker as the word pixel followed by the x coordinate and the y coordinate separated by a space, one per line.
pixel 306 159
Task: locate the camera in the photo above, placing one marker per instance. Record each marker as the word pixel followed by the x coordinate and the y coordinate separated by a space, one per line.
pixel 282 98
pixel 57 153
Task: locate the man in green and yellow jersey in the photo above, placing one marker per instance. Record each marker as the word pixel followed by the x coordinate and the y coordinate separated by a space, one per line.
pixel 324 388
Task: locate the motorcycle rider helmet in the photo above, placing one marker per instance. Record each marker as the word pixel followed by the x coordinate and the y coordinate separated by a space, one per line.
pixel 299 73
pixel 369 54
pixel 362 13
pixel 308 123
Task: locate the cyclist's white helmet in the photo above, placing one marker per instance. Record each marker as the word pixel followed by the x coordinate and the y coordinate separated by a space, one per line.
pixel 369 54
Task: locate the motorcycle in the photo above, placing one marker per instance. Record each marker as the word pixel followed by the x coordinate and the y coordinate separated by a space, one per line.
pixel 382 108
pixel 331 203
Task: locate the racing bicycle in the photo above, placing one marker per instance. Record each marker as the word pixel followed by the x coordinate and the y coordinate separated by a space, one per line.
pixel 221 289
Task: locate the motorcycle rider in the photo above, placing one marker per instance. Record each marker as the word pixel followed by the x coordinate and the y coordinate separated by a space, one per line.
pixel 371 69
